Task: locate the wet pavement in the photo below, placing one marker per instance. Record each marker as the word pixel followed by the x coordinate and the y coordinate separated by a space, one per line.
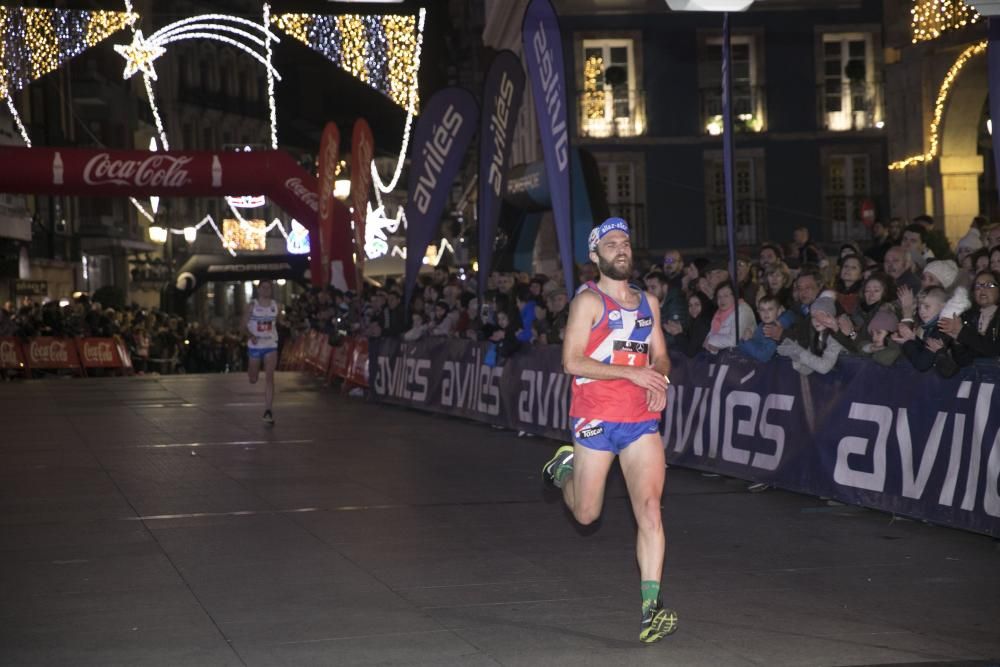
pixel 158 521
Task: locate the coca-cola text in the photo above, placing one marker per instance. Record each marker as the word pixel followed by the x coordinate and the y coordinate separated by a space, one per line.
pixel 155 171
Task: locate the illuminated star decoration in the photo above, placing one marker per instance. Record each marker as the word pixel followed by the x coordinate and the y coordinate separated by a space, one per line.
pixel 139 56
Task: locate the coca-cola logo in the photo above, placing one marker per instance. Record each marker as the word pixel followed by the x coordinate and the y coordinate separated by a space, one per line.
pixel 157 170
pixel 53 352
pixel 8 354
pixel 98 353
pixel 305 195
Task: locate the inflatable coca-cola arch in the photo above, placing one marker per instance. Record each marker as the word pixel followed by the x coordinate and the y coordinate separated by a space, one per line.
pixel 84 172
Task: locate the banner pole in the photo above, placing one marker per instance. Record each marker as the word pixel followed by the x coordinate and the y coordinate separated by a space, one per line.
pixel 728 164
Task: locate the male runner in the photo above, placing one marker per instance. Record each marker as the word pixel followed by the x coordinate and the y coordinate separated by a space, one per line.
pixel 260 321
pixel 615 349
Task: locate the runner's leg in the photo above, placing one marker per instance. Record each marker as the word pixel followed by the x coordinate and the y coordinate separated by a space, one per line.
pixel 643 466
pixel 583 489
pixel 270 363
pixel 253 368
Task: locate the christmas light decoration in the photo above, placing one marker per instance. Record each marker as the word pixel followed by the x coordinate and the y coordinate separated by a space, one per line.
pixel 34 42
pixel 141 54
pixel 272 107
pixel 939 103
pixel 931 18
pixel 379 50
pixel 244 235
pixel 593 99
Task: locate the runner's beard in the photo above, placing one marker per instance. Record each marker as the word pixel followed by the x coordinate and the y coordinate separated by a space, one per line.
pixel 611 269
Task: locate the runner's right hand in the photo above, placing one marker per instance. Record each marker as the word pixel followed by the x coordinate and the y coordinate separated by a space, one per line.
pixel 648 378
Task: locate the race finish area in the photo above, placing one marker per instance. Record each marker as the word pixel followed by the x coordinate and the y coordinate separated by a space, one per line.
pixel 158 521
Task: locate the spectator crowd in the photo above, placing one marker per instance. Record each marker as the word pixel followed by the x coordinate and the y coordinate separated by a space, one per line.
pixel 156 341
pixel 907 296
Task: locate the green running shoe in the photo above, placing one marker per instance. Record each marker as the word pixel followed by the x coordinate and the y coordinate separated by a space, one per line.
pixel 563 459
pixel 657 623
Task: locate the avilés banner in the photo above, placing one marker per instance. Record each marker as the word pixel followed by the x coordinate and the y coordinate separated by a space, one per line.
pixel 362 150
pixel 440 140
pixel 891 439
pixel 544 58
pixel 502 95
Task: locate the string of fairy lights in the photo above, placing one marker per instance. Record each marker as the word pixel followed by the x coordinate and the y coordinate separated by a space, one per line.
pixel 381 51
pixel 939 104
pixel 932 18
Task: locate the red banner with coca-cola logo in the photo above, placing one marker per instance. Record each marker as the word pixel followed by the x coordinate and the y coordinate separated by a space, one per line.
pixel 11 354
pixel 100 353
pixel 362 151
pixel 117 173
pixel 50 352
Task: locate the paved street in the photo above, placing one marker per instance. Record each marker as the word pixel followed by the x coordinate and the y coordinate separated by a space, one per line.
pixel 157 521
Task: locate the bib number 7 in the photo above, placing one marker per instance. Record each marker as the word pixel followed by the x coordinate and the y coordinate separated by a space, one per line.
pixel 630 353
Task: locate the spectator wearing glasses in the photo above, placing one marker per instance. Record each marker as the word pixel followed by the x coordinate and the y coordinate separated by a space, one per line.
pixel 977 330
pixel 899 267
pixel 673 269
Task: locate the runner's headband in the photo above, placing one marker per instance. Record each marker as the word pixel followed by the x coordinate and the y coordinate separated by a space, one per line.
pixel 608 226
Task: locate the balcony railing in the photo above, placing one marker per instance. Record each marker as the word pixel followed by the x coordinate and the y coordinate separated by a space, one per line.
pixel 844 214
pixel 611 113
pixel 845 106
pixel 749 113
pixel 751 223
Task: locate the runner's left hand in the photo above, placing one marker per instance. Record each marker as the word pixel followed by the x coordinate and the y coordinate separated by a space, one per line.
pixel 656 400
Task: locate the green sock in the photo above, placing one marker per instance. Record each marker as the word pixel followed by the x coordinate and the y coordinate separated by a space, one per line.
pixel 650 593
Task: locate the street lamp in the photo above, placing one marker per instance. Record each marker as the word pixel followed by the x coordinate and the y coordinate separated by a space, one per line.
pixel 728 150
pixel 158 234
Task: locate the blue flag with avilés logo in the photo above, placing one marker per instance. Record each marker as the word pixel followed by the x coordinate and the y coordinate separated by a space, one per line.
pixel 440 140
pixel 543 56
pixel 502 95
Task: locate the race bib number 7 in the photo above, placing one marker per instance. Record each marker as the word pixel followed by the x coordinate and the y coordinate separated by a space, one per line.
pixel 264 326
pixel 630 353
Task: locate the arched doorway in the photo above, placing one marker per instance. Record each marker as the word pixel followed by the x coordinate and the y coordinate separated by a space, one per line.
pixel 960 165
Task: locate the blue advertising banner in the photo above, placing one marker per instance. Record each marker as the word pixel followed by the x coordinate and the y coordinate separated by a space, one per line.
pixel 502 95
pixel 440 140
pixel 891 439
pixel 993 81
pixel 543 56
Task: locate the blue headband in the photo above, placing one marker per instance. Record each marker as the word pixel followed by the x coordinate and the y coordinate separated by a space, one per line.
pixel 608 226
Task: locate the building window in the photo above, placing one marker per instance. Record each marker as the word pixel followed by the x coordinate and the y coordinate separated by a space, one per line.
pixel 848 184
pixel 749 201
pixel 622 186
pixel 748 98
pixel 850 92
pixel 610 105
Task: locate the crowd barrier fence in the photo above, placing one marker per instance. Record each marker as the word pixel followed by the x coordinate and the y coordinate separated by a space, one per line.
pixel 58 353
pixel 893 439
pixel 313 353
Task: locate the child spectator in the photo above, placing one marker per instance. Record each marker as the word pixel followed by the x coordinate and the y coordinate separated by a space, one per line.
pixel 924 345
pixel 759 346
pixel 823 350
pixel 881 347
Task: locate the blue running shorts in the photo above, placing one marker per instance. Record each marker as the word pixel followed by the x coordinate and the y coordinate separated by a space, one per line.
pixel 260 352
pixel 610 436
